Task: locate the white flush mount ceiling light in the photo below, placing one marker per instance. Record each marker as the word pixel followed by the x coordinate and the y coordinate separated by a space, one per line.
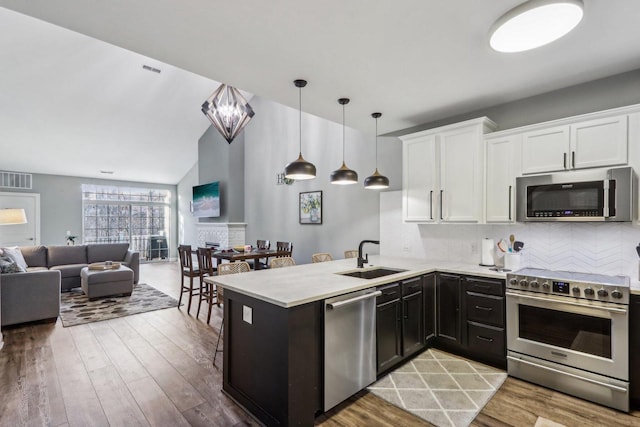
pixel 535 23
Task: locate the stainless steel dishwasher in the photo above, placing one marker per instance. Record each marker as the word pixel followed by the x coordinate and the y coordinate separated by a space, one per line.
pixel 349 345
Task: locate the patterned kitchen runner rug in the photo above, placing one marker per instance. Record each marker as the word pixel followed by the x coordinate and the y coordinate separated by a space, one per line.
pixel 441 388
pixel 76 309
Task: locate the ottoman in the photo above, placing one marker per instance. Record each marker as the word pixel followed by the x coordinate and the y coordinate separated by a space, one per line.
pixel 104 283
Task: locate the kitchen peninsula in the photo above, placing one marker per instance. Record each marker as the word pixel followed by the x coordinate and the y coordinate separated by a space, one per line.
pixel 274 331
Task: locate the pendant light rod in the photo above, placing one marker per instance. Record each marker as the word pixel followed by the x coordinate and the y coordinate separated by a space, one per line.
pixel 300 84
pixel 376 181
pixel 376 116
pixel 343 102
pixel 344 175
pixel 300 169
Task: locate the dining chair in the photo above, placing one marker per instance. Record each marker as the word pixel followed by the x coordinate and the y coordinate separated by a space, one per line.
pixel 285 261
pixel 207 268
pixel 321 257
pixel 261 245
pixel 285 247
pixel 227 268
pixel 351 253
pixel 188 270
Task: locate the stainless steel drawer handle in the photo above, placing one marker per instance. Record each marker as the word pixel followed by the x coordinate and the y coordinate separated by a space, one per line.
pixel 484 338
pixel 353 300
pixel 557 371
pixel 484 308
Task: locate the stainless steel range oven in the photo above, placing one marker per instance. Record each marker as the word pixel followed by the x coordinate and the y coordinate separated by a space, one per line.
pixel 570 332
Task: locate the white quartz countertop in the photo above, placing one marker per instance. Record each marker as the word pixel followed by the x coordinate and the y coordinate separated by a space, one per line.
pixel 301 284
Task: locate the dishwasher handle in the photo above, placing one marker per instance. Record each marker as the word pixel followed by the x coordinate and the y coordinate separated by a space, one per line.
pixel 338 304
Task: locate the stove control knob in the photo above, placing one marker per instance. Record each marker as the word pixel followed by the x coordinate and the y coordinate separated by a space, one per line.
pixel 534 284
pixel 513 282
pixel 546 286
pixel 589 292
pixel 616 294
pixel 524 283
pixel 603 293
pixel 576 290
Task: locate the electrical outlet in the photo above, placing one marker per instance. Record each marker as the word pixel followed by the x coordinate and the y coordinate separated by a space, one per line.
pixel 247 314
pixel 474 248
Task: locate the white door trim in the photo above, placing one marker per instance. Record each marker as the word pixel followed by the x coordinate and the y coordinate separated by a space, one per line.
pixel 36 214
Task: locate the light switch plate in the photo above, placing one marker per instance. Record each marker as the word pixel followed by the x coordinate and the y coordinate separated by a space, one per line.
pixel 247 314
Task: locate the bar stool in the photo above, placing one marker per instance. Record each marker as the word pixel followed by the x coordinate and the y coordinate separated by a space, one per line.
pixel 227 268
pixel 207 291
pixel 351 253
pixel 321 257
pixel 186 265
pixel 285 261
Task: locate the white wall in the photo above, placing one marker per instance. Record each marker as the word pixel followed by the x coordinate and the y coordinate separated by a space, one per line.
pixel 585 247
pixel 187 233
pixel 350 213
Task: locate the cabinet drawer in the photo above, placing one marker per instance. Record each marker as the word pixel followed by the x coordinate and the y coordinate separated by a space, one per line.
pixel 389 293
pixel 485 309
pixel 484 286
pixel 412 286
pixel 486 340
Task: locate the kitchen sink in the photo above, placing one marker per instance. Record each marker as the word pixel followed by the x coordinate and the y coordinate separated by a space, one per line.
pixel 372 273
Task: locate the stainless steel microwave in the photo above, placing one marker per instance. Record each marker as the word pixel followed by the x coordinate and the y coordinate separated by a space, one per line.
pixel 589 195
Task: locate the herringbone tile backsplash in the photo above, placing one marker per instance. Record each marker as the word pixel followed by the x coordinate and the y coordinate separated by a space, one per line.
pixel 603 248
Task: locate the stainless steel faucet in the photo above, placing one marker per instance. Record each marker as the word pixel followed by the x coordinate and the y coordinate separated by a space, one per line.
pixel 362 261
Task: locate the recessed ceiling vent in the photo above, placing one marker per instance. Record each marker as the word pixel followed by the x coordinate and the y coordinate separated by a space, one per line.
pixel 22 181
pixel 149 68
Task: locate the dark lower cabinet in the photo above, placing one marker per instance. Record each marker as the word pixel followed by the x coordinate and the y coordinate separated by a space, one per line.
pixel 399 323
pixel 389 334
pixel 429 299
pixel 634 350
pixel 412 317
pixel 471 317
pixel 448 302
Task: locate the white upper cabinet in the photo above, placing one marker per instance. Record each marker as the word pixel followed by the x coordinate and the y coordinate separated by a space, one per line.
pixel 419 179
pixel 443 173
pixel 461 175
pixel 545 150
pixel 594 143
pixel 502 167
pixel 600 142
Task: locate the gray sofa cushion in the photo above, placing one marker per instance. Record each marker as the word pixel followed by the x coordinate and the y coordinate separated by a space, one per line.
pixel 69 270
pixel 15 254
pixel 7 265
pixel 37 269
pixel 63 255
pixel 106 252
pixel 35 256
pixel 27 297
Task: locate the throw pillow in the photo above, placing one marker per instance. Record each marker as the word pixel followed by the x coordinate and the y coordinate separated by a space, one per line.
pixel 15 254
pixel 7 265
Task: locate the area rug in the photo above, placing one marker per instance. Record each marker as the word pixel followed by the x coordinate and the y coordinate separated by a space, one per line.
pixel 441 388
pixel 76 309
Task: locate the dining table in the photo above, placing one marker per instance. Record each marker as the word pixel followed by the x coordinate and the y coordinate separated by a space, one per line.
pixel 255 254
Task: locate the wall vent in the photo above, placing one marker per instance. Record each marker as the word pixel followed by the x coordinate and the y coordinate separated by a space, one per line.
pixel 16 180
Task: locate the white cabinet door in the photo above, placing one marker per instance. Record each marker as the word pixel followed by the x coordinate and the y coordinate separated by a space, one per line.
pixel 545 150
pixel 500 171
pixel 461 175
pixel 600 142
pixel 419 179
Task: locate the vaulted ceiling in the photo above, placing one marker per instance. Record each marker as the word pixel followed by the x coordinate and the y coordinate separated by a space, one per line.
pixel 82 104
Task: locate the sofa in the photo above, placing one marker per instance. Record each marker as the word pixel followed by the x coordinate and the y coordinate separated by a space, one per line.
pixel 35 294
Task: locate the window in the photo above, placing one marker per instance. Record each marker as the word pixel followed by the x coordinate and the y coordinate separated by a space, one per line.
pixel 122 214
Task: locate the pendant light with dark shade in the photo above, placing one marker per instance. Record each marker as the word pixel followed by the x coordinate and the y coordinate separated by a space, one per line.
pixel 300 169
pixel 344 175
pixel 376 181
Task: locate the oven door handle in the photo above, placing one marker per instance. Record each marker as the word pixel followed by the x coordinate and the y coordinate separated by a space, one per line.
pixel 610 309
pixel 557 371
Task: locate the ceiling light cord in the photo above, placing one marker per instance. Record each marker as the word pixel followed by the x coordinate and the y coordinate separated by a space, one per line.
pixel 300 118
pixel 376 143
pixel 343 151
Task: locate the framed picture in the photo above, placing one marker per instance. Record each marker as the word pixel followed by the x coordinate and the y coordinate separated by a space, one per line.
pixel 311 207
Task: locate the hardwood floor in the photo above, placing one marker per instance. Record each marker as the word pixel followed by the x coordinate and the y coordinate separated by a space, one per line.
pixel 155 369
